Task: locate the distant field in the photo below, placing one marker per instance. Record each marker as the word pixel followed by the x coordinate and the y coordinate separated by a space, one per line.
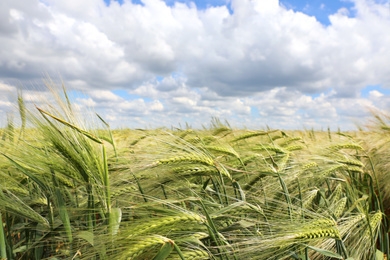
pixel 72 191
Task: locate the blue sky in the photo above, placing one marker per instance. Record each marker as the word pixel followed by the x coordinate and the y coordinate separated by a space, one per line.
pixel 286 64
pixel 318 8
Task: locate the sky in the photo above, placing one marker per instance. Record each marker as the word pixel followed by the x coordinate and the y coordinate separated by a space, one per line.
pixel 288 64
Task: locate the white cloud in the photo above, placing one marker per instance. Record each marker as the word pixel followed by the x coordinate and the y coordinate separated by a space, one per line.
pixel 156 106
pixel 86 102
pixel 184 101
pixel 375 94
pixel 209 62
pixel 138 107
pixel 6 88
pixel 5 105
pixel 104 95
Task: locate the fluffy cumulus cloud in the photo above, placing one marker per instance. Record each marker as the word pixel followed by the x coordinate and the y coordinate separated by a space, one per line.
pixel 257 63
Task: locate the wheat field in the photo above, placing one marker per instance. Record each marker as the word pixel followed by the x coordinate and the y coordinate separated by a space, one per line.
pixel 76 189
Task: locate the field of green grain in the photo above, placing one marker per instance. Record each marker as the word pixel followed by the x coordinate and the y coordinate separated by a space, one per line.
pixel 76 189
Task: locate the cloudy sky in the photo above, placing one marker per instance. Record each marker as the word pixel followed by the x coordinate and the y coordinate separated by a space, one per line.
pixel 147 63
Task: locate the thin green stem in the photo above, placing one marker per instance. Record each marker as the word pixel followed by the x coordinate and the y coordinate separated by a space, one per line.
pixel 3 250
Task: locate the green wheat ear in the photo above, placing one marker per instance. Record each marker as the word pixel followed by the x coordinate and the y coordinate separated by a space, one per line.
pixel 250 135
pixel 315 229
pixel 308 198
pixel 10 128
pixel 191 158
pixel 339 207
pixel 22 111
pixel 160 225
pixel 143 245
pixel 201 170
pixel 221 129
pixel 290 140
pixel 224 149
pixel 374 223
pixel 336 194
pixel 352 146
pixel 309 166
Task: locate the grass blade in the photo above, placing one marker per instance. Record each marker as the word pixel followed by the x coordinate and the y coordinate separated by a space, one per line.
pixel 165 250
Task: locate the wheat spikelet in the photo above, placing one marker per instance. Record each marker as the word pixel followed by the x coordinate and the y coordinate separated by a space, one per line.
pixel 336 194
pixel 209 139
pixel 192 236
pixel 22 111
pixel 17 190
pixel 351 162
pixel 223 149
pixel 345 146
pixel 332 169
pixel 237 209
pixel 249 135
pixel 354 169
pixel 10 128
pixel 322 228
pixel 143 244
pixel 185 133
pixel 276 137
pixel 195 170
pixel 294 148
pixel 308 199
pixel 338 208
pixel 38 202
pixel 181 222
pixel 375 220
pixel 319 233
pixel 290 140
pixel 309 165
pixel 190 157
pixel 65 181
pixel 221 130
pixel 206 139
